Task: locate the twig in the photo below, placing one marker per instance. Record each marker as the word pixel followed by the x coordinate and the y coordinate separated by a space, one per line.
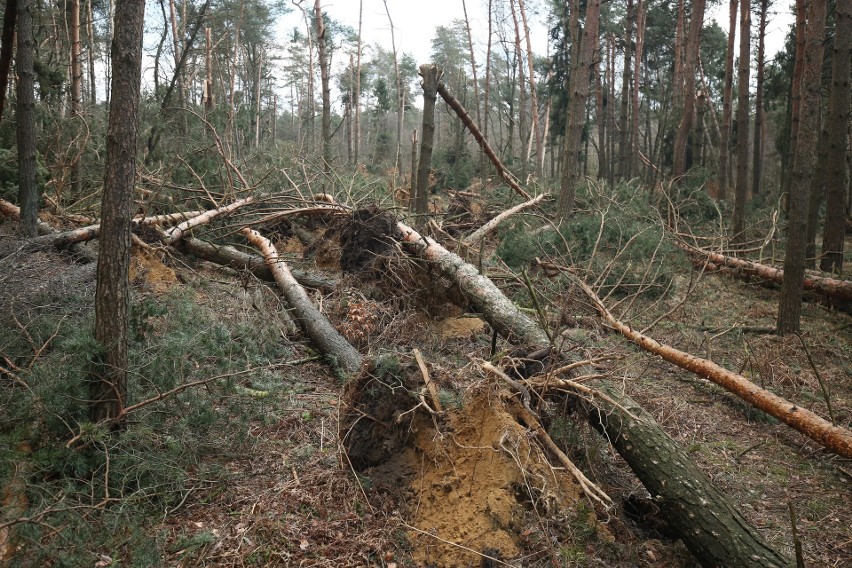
pixel 797 544
pixel 433 391
pixel 826 391
pixel 463 547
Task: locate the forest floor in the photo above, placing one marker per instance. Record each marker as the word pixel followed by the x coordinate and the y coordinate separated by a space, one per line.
pixel 469 487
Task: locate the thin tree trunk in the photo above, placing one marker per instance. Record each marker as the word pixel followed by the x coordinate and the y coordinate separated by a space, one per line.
pixel 834 438
pixel 690 66
pixel 578 91
pixel 90 33
pixel 480 139
pixel 795 99
pixel 536 129
pixel 677 76
pixel 522 95
pixel 400 98
pixel 257 110
pixel 757 161
pixel 741 189
pixel 475 81
pixel 838 119
pixel 636 167
pixel 485 98
pixel 207 98
pixel 790 304
pixel 108 389
pixel 601 119
pixel 25 120
pixel 326 89
pixel 816 194
pixel 624 158
pixel 724 173
pixel 431 76
pixel 356 102
pixel 10 15
pixel 76 93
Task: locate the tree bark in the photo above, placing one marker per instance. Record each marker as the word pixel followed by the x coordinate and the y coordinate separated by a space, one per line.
pixel 710 526
pixel 10 15
pixel 741 189
pixel 480 139
pixel 790 303
pixel 311 320
pixel 636 164
pixel 578 89
pixel 229 256
pixel 795 99
pixel 25 121
pixel 431 76
pixel 693 44
pixel 838 118
pixel 356 99
pixel 757 160
pixel 624 158
pixel 834 438
pixel 174 234
pixel 108 389
pixel 326 89
pixel 76 91
pixel 724 173
pixel 828 287
pixel 536 128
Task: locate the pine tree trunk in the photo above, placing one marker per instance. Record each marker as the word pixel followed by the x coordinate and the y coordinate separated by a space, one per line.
pixel 326 89
pixel 724 173
pixel 741 189
pixel 10 15
pixel 523 134
pixel 838 117
pixel 790 304
pixel 108 389
pixel 431 75
pixel 690 66
pixel 713 530
pixel 757 160
pixel 579 91
pixel 624 158
pixel 25 120
pixel 795 100
pixel 536 127
pixel 635 150
pixel 76 93
pixel 356 99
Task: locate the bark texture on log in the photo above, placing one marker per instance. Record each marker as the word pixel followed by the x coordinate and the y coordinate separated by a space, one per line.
pixel 833 438
pixel 831 287
pixel 229 256
pixel 480 139
pixel 713 529
pixel 498 310
pixel 81 251
pixel 174 234
pixel 311 320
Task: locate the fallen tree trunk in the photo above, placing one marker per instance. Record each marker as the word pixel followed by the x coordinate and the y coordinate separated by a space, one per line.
pixel 711 530
pixel 710 526
pixel 480 139
pixel 78 249
pixel 833 438
pixel 493 223
pixel 830 287
pixel 174 234
pixel 313 323
pixel 229 256
pixel 503 315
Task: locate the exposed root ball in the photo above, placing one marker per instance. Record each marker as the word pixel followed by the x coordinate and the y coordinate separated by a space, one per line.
pixel 368 234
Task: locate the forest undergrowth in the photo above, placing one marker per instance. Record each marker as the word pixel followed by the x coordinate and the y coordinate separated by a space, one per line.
pixel 243 451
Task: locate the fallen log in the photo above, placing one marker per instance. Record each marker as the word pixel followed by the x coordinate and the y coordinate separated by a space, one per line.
pixel 735 539
pixel 830 287
pixel 229 256
pixel 492 224
pixel 711 527
pixel 833 438
pixel 176 233
pixel 480 139
pixel 311 320
pixel 78 249
pixel 498 310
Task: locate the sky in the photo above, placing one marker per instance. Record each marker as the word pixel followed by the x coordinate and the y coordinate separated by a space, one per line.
pixel 414 22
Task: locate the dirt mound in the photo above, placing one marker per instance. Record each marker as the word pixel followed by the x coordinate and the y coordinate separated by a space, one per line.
pixel 474 485
pixel 149 274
